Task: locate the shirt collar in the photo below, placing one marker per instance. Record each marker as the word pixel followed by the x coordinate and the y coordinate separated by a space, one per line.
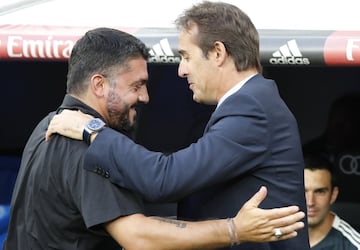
pixel 72 103
pixel 233 90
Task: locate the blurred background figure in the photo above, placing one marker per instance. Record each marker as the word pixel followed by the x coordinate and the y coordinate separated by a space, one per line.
pixel 327 231
pixel 340 144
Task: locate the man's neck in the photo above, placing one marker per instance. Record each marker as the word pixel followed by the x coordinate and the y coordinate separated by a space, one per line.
pixel 232 78
pixel 319 232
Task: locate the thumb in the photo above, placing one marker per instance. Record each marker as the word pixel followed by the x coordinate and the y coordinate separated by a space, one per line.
pixel 257 198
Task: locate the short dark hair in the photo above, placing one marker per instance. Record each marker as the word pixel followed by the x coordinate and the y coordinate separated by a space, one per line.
pixel 99 51
pixel 317 162
pixel 218 21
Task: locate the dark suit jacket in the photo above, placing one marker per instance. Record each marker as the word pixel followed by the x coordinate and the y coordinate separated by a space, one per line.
pixel 251 140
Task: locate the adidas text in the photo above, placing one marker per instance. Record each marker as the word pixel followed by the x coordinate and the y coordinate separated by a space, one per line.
pixel 164 59
pixel 290 60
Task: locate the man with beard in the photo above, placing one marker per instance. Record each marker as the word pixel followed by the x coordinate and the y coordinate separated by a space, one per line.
pixel 57 204
pixel 326 229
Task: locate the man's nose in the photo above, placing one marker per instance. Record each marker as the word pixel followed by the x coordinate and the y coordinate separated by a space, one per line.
pixel 309 198
pixel 182 71
pixel 144 96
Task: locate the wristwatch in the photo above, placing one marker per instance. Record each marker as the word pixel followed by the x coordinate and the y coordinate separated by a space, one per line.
pixel 94 125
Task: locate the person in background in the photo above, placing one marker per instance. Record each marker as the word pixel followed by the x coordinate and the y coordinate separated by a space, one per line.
pixel 251 138
pixel 340 144
pixel 56 204
pixel 327 231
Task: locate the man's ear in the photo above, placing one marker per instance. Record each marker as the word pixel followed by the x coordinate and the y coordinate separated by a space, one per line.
pixel 98 84
pixel 334 194
pixel 220 53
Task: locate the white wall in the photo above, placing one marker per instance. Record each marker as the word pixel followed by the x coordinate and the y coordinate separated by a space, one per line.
pixel 275 14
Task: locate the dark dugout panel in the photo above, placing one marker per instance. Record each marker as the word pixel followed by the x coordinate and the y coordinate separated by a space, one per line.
pixel 29 90
pixel 171 120
pixel 310 91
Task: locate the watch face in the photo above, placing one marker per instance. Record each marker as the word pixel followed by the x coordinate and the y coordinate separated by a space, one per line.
pixel 95 124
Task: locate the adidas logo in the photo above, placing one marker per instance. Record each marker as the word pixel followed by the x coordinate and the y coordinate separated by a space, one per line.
pixel 289 53
pixel 162 53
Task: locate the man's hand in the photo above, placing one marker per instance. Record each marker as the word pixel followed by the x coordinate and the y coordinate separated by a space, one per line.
pixel 69 123
pixel 259 225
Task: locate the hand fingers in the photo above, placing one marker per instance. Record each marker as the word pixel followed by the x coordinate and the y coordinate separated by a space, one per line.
pixel 288 220
pixel 277 213
pixel 274 213
pixel 74 118
pixel 257 198
pixel 291 228
pixel 286 232
pixel 50 130
pixel 288 227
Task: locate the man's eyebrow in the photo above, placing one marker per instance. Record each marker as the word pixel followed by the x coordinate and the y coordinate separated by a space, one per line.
pixel 181 52
pixel 142 81
pixel 321 189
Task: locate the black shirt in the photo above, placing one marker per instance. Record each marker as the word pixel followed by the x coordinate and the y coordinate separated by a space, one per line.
pixel 56 203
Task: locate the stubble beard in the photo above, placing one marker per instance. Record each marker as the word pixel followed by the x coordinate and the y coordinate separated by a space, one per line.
pixel 119 112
